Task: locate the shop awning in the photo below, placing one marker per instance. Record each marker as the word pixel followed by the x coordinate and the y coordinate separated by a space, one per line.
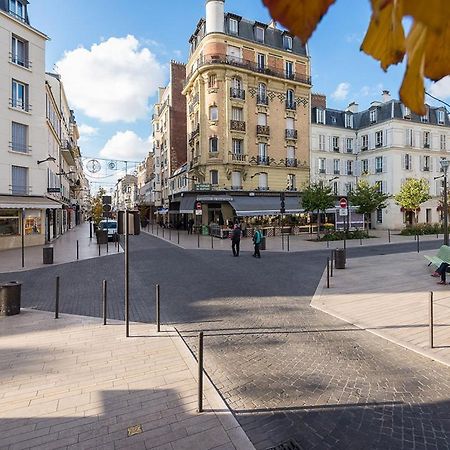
pixel 174 208
pixel 187 204
pixel 264 206
pixel 15 201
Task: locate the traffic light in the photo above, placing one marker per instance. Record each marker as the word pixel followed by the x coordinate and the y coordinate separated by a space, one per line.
pixel 282 203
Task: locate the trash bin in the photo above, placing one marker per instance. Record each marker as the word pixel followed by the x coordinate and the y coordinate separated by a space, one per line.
pixel 102 236
pixel 263 243
pixel 10 298
pixel 339 258
pixel 205 230
pixel 47 255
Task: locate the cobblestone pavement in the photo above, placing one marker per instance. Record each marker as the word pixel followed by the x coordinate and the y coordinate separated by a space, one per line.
pixel 287 370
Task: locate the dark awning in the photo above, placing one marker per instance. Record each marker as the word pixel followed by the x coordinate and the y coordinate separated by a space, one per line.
pixel 264 206
pixel 187 204
pixel 28 202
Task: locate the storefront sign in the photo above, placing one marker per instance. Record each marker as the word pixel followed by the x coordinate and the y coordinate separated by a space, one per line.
pixel 203 187
pixel 54 190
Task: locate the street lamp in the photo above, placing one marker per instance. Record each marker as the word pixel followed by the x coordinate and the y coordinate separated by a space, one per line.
pixel 49 158
pixel 444 166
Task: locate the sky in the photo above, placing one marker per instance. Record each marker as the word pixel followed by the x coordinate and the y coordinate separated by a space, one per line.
pixel 113 55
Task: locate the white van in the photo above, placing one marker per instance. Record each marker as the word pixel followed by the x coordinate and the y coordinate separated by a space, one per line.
pixel 111 226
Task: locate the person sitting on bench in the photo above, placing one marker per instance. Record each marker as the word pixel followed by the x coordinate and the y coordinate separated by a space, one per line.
pixel 441 271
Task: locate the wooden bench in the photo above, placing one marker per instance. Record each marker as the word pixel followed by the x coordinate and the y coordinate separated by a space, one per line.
pixel 443 255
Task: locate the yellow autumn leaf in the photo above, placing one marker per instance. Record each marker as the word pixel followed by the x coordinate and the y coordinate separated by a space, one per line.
pixel 437 54
pixel 299 16
pixel 432 13
pixel 412 91
pixel 385 38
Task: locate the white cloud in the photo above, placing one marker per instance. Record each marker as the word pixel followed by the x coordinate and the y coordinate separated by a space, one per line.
pixel 441 88
pixel 126 146
pixel 341 91
pixel 86 130
pixel 113 80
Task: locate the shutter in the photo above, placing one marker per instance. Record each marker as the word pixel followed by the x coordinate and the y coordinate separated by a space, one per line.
pixel 329 166
pixel 431 164
pixel 371 165
pixel 357 168
pixel 385 142
pixel 330 143
pixel 290 152
pixel 438 187
pixel 403 156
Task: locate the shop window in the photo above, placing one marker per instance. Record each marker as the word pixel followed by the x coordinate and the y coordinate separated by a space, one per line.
pixel 9 222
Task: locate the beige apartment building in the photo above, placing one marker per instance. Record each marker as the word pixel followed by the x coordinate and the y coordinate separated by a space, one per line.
pixel 248 101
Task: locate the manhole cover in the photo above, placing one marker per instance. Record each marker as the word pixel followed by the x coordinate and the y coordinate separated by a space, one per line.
pixel 288 445
pixel 135 429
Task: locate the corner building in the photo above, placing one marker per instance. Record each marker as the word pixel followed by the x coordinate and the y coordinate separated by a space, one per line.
pixel 248 101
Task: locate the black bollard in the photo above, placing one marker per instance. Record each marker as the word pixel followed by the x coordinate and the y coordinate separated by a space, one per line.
pixel 178 237
pixel 212 241
pixel 157 314
pixel 57 299
pixel 98 249
pixel 288 239
pixel 328 272
pixel 431 321
pixel 198 240
pixel 104 300
pixel 389 236
pixel 200 372
pixel 418 244
pixel 78 251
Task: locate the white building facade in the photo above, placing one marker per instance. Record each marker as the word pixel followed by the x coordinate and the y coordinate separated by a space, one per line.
pixel 386 144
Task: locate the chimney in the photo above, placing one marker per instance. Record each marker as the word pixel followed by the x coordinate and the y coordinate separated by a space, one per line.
pixel 273 24
pixel 215 12
pixel 318 101
pixel 386 96
pixel 353 107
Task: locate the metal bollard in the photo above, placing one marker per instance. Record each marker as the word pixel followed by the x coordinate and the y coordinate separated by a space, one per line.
pixel 418 244
pixel 170 234
pixel 431 321
pixel 78 251
pixel 157 314
pixel 198 240
pixel 163 232
pixel 282 241
pixel 212 242
pixel 107 245
pixel 104 300
pixel 328 272
pixel 98 249
pixel 152 227
pixel 288 239
pixel 200 372
pixel 118 243
pixel 178 238
pixel 389 236
pixel 332 263
pixel 57 299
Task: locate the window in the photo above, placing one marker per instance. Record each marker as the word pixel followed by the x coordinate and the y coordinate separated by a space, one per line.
pixel 410 137
pixel 441 117
pixel 9 222
pixel 322 165
pixel 290 123
pixel 287 42
pixel 426 139
pixel 380 186
pixel 364 142
pixel 213 113
pixel 261 61
pixel 407 163
pixel 17 8
pixel 19 141
pixel 233 26
pixel 336 143
pixel 236 114
pixel 19 52
pixel 290 156
pixel 19 185
pixel 349 145
pixel 289 69
pixel 373 115
pixel 348 187
pixel 262 154
pixel 322 142
pixel 425 118
pixel 236 180
pixel 236 83
pixel 335 188
pixel 378 164
pixel 443 144
pixel 320 115
pixel 213 144
pixel 212 81
pixel 262 94
pixel 406 112
pixel 263 180
pixel 379 215
pixel 348 120
pixel 379 139
pixel 290 99
pixel 262 119
pixel 233 53
pixel 259 34
pixel 336 166
pixel 237 146
pixel 291 182
pixel 349 167
pixel 426 163
pixel 19 95
pixel 365 166
pixel 214 177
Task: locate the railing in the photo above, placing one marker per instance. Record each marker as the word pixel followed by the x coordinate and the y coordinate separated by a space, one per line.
pixel 23 62
pixel 336 149
pixel 17 16
pixel 263 129
pixel 263 188
pixel 237 125
pixel 291 105
pixel 321 170
pixel 380 169
pixel 237 93
pixel 238 157
pixel 363 149
pixel 426 169
pixel 236 188
pixel 349 172
pixel 66 145
pixel 262 99
pixel 19 189
pixel 291 162
pixel 20 104
pixel 426 145
pixel 337 172
pixel 20 148
pixel 262 160
pixel 195 160
pixel 248 65
pixel 379 144
pixel 291 188
pixel 349 150
pixel 291 134
pixel 195 132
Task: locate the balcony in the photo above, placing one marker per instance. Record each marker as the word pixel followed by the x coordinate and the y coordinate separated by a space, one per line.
pixel 20 147
pixel 289 75
pixel 236 188
pixel 263 188
pixel 20 60
pixel 426 145
pixel 262 160
pixel 237 93
pixel 380 169
pixel 291 105
pixel 336 149
pixel 19 104
pixel 349 172
pixel 337 172
pixel 290 134
pixel 379 144
pixel 321 170
pixel 291 188
pixel 364 148
pixel 195 160
pixel 291 162
pixel 349 150
pixel 263 130
pixel 262 99
pixel 17 189
pixel 237 125
pixel 195 133
pixel 426 169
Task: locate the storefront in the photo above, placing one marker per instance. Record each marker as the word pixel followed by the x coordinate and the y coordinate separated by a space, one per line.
pixel 24 216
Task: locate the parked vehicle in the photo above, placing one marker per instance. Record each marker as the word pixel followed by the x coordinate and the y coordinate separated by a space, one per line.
pixel 110 226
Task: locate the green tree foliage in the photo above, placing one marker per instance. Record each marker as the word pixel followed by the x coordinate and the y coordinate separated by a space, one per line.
pixel 412 194
pixel 317 198
pixel 97 206
pixel 367 198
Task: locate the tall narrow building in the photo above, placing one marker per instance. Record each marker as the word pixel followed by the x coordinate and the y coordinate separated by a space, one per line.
pixel 248 95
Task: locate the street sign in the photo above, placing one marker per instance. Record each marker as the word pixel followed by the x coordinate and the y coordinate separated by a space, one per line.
pixel 343 212
pixel 106 199
pixel 343 203
pixel 202 187
pixel 106 208
pixel 53 190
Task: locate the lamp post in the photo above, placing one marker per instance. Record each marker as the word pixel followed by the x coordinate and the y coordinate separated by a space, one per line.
pixel 444 165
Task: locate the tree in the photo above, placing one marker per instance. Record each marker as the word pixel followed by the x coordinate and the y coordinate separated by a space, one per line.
pixel 367 199
pixel 317 198
pixel 97 206
pixel 427 44
pixel 412 194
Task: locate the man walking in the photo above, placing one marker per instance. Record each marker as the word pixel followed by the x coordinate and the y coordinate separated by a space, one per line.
pixel 257 238
pixel 236 240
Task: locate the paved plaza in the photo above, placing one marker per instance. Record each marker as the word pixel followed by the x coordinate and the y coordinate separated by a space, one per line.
pixel 288 371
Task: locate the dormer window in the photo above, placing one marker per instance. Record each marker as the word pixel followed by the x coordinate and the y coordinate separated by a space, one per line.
pixel 441 117
pixel 373 116
pixel 17 9
pixel 259 34
pixel 406 113
pixel 320 115
pixel 349 121
pixel 287 42
pixel 233 26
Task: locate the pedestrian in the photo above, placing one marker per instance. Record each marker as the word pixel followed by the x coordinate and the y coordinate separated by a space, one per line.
pixel 257 238
pixel 190 225
pixel 244 229
pixel 235 240
pixel 441 271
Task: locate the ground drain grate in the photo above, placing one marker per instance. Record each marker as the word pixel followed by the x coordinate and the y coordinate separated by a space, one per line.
pixel 288 445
